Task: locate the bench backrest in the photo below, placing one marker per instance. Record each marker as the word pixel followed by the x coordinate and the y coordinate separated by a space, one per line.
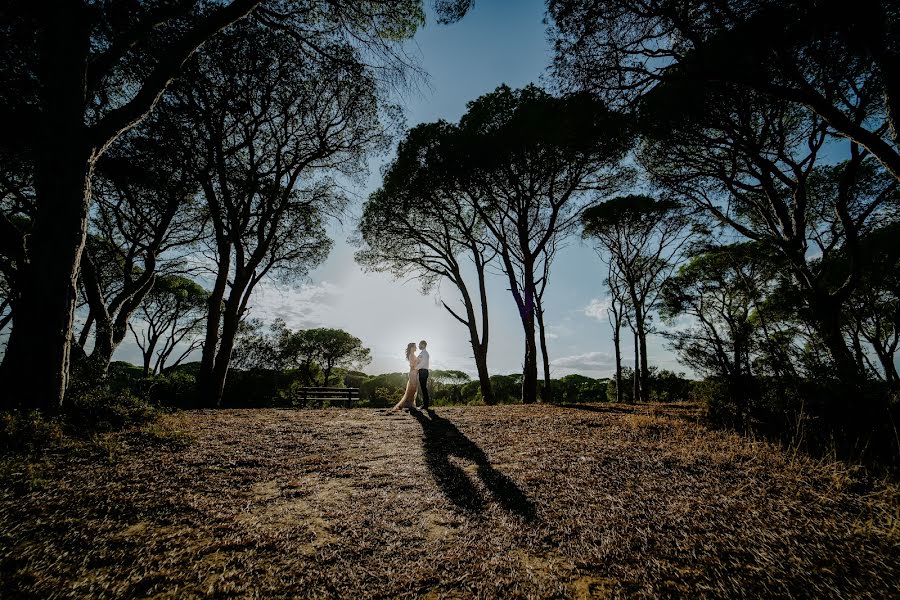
pixel 319 394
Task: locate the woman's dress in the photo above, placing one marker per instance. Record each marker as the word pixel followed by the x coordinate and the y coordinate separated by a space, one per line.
pixel 412 386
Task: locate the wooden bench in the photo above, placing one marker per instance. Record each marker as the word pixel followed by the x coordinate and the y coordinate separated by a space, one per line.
pixel 335 396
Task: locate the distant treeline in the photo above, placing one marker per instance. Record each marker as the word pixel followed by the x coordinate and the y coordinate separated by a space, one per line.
pixel 265 387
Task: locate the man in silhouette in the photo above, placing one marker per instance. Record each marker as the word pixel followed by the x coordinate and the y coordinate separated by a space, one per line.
pixel 422 365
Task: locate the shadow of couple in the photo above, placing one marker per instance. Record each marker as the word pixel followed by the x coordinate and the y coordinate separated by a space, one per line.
pixel 442 440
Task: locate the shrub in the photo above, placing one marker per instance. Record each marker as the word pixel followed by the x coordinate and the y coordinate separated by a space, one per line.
pixel 578 389
pixel 176 389
pixel 105 409
pixel 28 432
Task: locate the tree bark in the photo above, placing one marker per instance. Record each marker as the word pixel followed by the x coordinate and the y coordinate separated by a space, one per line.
pixel 645 368
pixel 640 337
pixel 827 314
pixel 148 357
pixel 480 350
pixel 617 344
pixel 230 322
pixel 529 368
pixel 484 379
pixel 478 341
pixel 206 377
pixel 636 393
pixel 35 370
pixel 547 394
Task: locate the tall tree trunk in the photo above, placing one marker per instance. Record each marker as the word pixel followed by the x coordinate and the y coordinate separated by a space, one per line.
pixel 484 379
pixel 230 323
pixel 636 393
pixel 525 304
pixel 35 370
pixel 112 320
pixel 86 330
pixel 148 357
pixel 206 377
pixel 890 369
pixel 127 308
pixel 645 369
pixel 856 343
pixel 827 315
pixel 480 349
pixel 529 368
pixel 547 395
pixel 640 321
pixel 617 344
pixel 738 382
pixel 479 342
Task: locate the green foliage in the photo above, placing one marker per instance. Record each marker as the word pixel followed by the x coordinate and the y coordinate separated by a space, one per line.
pixel 665 386
pixel 27 432
pixel 105 409
pixel 353 379
pixel 507 388
pixel 394 383
pixel 175 388
pixel 314 354
pixel 384 398
pixel 578 389
pixel 627 387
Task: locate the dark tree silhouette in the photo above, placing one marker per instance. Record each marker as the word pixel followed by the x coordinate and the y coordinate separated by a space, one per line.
pixel 144 216
pixel 335 348
pixel 311 351
pixel 5 303
pixel 533 162
pixel 757 167
pixel 642 238
pixel 170 317
pixel 422 223
pixel 268 127
pixel 723 289
pixel 615 313
pixel 874 307
pixel 76 77
pixel 837 61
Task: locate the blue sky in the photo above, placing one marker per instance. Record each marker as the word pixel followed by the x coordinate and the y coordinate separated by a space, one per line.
pixel 499 41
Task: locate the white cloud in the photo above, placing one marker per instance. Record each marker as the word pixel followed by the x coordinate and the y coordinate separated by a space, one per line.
pixel 301 308
pixel 596 308
pixel 589 361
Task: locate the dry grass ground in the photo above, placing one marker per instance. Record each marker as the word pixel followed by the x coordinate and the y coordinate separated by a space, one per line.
pixel 501 502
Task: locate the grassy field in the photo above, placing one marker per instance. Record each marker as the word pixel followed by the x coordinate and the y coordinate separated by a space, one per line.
pixel 585 502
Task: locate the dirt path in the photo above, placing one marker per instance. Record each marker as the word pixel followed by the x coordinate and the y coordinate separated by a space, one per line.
pixel 487 502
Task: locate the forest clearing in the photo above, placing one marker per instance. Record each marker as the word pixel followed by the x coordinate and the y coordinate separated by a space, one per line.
pixel 584 501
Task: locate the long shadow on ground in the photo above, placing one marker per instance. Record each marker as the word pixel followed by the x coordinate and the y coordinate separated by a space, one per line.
pixel 442 440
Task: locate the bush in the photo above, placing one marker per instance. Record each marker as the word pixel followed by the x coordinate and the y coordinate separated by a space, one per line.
pixel 394 382
pixel 28 432
pixel 177 389
pixel 576 389
pixel 258 388
pixel 667 386
pixel 713 395
pixel 507 388
pixel 105 409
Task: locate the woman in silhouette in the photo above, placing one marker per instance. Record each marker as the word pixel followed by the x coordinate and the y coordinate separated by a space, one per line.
pixel 412 384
